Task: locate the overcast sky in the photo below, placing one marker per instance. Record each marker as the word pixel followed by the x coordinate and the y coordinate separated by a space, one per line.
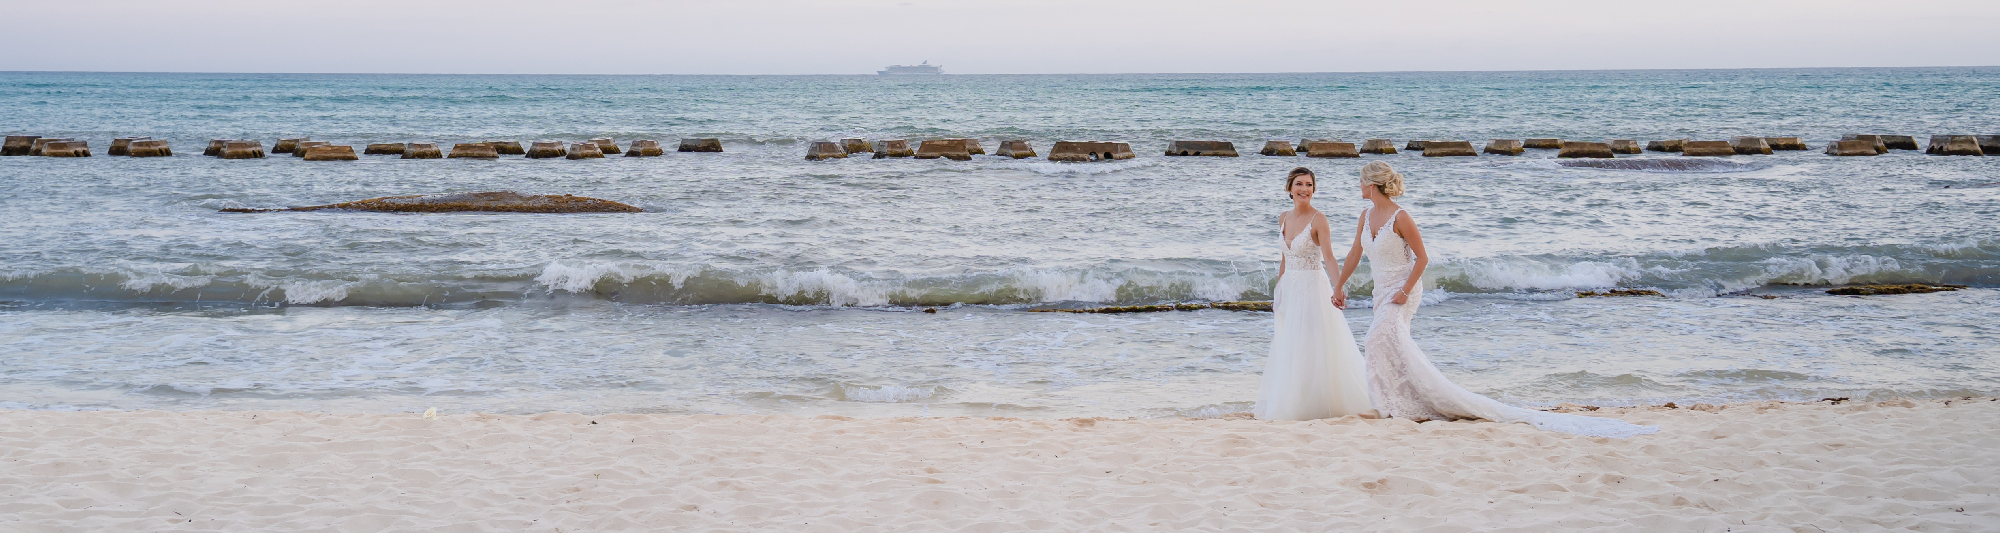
pixel 986 36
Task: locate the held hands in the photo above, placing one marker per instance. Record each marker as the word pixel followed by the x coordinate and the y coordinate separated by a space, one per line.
pixel 1339 299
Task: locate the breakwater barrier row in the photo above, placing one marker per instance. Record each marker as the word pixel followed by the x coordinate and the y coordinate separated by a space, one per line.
pixel 962 149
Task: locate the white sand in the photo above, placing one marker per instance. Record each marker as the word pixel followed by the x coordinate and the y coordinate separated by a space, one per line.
pixel 1924 465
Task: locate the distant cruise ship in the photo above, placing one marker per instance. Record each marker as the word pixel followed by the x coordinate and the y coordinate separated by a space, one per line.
pixel 925 68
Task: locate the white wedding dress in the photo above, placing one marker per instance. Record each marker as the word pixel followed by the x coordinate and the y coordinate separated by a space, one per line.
pixel 1404 384
pixel 1314 370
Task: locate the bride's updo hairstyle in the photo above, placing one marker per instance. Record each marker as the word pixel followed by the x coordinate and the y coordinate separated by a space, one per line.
pixel 1294 176
pixel 1384 179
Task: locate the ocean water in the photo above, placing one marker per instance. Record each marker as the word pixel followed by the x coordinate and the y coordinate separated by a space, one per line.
pixel 758 282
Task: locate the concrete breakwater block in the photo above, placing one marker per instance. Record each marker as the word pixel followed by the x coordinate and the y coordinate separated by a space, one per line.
pixel 299 148
pixel 701 145
pixel 546 150
pixel 583 150
pixel 1956 145
pixel 473 151
pixel 241 149
pixel 1378 146
pixel 1851 148
pixel 475 202
pixel 1788 143
pixel 1750 146
pixel 824 150
pixel 1332 149
pixel 1625 146
pixel 1414 146
pixel 330 152
pixel 1669 145
pixel 66 148
pixel 286 146
pixel 1449 149
pixel 606 146
pixel 1278 148
pixel 1504 147
pixel 35 147
pixel 149 148
pixel 1988 143
pixel 122 145
pixel 972 146
pixel 214 148
pixel 383 149
pixel 1707 148
pixel 1017 149
pixel 888 148
pixel 1898 142
pixel 1081 151
pixel 1203 148
pixel 1542 144
pixel 1580 149
pixel 1304 142
pixel 645 148
pixel 18 145
pixel 953 149
pixel 855 146
pixel 1880 147
pixel 422 151
pixel 507 147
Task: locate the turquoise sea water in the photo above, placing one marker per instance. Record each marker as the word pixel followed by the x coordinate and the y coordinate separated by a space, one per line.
pixel 760 282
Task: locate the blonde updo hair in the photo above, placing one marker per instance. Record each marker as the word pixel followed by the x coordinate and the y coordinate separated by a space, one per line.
pixel 1384 179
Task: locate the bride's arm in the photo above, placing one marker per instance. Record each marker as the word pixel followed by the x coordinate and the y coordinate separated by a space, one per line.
pixel 1407 227
pixel 1281 249
pixel 1346 267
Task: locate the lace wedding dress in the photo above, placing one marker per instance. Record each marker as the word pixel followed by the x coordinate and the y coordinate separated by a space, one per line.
pixel 1314 370
pixel 1403 382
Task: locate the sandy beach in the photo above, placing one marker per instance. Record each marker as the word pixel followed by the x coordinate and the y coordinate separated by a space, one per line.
pixel 1924 465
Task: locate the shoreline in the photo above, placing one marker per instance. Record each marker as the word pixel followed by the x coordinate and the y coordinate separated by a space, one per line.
pixel 1756 466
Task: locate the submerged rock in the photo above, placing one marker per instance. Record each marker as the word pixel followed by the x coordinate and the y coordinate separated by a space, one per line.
pixel 1874 290
pixel 1276 148
pixel 1618 292
pixel 1504 147
pixel 1448 149
pixel 1378 146
pixel 490 202
pixel 1226 306
pixel 701 145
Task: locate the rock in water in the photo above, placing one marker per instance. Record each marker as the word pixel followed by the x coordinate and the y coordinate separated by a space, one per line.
pixel 1449 149
pixel 330 152
pixel 953 149
pixel 507 147
pixel 1081 151
pixel 1750 146
pixel 383 149
pixel 585 150
pixel 893 148
pixel 1670 145
pixel 1988 143
pixel 1018 149
pixel 1788 143
pixel 473 151
pixel 972 146
pixel 1544 144
pixel 1332 149
pixel 299 148
pixel 215 147
pixel 855 146
pixel 490 202
pixel 1504 147
pixel 1579 149
pixel 824 150
pixel 1958 145
pixel 1897 142
pixel 645 148
pixel 1880 147
pixel 546 150
pixel 1203 148
pixel 1278 148
pixel 242 149
pixel 701 145
pixel 1378 146
pixel 1414 146
pixel 286 146
pixel 1624 146
pixel 606 146
pixel 35 147
pixel 1707 148
pixel 66 148
pixel 122 146
pixel 149 148
pixel 1851 148
pixel 422 151
pixel 18 145
pixel 1303 143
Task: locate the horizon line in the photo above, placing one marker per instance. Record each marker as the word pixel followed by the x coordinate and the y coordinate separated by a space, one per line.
pixel 989 73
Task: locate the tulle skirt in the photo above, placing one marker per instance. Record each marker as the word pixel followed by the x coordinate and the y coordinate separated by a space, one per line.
pixel 1315 369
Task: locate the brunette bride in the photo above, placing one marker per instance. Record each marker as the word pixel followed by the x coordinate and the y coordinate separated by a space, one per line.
pixel 1314 370
pixel 1401 381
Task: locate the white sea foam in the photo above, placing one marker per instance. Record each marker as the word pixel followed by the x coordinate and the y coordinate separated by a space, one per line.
pixel 144 282
pixel 579 279
pixel 829 287
pixel 1506 275
pixel 886 393
pixel 1064 286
